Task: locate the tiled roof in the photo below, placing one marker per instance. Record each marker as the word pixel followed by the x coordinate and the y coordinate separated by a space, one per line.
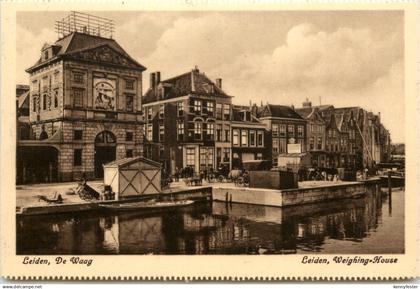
pixel 238 114
pixel 128 161
pixel 23 100
pixel 77 41
pixel 192 82
pixel 304 112
pixel 279 111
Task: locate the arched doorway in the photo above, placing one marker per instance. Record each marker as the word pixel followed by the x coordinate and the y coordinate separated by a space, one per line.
pixel 105 147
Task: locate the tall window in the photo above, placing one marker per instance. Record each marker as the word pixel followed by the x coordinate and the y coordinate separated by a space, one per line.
pixel 55 78
pixel 301 141
pixel 210 131
pixel 206 158
pixel 56 98
pixel 226 154
pixel 300 131
pixel 235 137
pixel 129 98
pixel 244 137
pixel 180 108
pixel 161 132
pixel 319 143
pixel 77 158
pixel 260 138
pixel 190 157
pixel 282 130
pixel 275 145
pixel 252 138
pixel 219 108
pixel 180 130
pixel 129 84
pixel 227 133
pixel 161 111
pixel 150 132
pixel 198 127
pixel 129 136
pixel 34 103
pixel 311 143
pixel 275 130
pixel 218 132
pixel 282 146
pixel 226 112
pixel 129 153
pixel 210 108
pixel 78 97
pixel 312 128
pixel 197 106
pixel 291 130
pixel 35 87
pixel 149 113
pixel 78 78
pixel 78 134
pixel 44 101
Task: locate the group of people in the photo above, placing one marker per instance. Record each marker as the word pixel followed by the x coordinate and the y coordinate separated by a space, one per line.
pixel 188 172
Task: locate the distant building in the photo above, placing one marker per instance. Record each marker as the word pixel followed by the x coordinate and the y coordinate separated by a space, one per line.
pixel 84 109
pixel 287 130
pixel 315 134
pixel 248 137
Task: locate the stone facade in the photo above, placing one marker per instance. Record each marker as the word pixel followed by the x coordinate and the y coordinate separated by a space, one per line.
pixel 84 89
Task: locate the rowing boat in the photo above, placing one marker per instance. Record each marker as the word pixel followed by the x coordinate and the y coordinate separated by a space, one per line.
pixel 146 205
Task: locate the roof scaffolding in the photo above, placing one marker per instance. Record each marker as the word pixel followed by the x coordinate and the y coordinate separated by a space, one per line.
pixel 84 23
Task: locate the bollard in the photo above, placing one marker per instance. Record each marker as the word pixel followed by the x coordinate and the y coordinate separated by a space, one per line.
pixel 389 183
pixel 389 186
pixel 230 199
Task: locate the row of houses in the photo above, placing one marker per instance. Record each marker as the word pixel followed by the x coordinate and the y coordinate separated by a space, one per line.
pixel 84 107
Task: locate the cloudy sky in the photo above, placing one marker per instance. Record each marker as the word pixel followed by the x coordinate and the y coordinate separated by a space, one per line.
pixel 344 58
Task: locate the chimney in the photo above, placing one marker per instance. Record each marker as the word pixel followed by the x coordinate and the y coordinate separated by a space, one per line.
pixel 157 73
pixel 152 80
pixel 293 107
pixel 307 103
pixel 219 83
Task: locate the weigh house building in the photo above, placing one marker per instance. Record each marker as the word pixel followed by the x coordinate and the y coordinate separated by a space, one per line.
pixel 84 109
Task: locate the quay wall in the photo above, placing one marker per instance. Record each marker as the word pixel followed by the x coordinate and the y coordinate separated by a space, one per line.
pixel 290 197
pixel 248 196
pixel 197 194
pixel 314 195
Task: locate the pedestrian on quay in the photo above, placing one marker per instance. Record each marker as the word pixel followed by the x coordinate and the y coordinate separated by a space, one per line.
pixel 176 174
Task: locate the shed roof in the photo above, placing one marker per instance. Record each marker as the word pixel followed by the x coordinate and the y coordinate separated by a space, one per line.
pixel 271 110
pixel 128 161
pixel 188 83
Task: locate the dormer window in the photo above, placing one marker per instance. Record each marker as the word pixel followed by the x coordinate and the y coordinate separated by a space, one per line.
pixel 46 55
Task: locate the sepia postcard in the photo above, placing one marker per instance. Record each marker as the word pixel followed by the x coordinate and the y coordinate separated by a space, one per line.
pixel 197 141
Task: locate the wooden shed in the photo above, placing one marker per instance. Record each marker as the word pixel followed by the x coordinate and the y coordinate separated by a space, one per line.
pixel 131 177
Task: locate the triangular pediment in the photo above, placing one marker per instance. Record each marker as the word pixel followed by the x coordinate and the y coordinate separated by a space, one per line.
pixel 106 54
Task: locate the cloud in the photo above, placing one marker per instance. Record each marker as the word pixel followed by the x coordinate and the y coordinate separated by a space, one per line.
pixel 346 66
pixel 343 64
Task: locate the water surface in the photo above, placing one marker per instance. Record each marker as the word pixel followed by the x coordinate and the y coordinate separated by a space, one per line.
pixel 367 225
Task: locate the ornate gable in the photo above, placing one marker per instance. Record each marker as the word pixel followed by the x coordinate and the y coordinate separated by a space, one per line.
pixel 105 54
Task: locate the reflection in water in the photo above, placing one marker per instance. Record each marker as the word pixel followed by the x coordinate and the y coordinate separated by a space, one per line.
pixel 344 226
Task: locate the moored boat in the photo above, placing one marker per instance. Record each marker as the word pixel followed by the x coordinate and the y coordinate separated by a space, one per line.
pixel 151 205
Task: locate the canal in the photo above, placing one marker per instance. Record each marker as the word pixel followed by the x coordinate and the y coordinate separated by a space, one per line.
pixel 367 225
